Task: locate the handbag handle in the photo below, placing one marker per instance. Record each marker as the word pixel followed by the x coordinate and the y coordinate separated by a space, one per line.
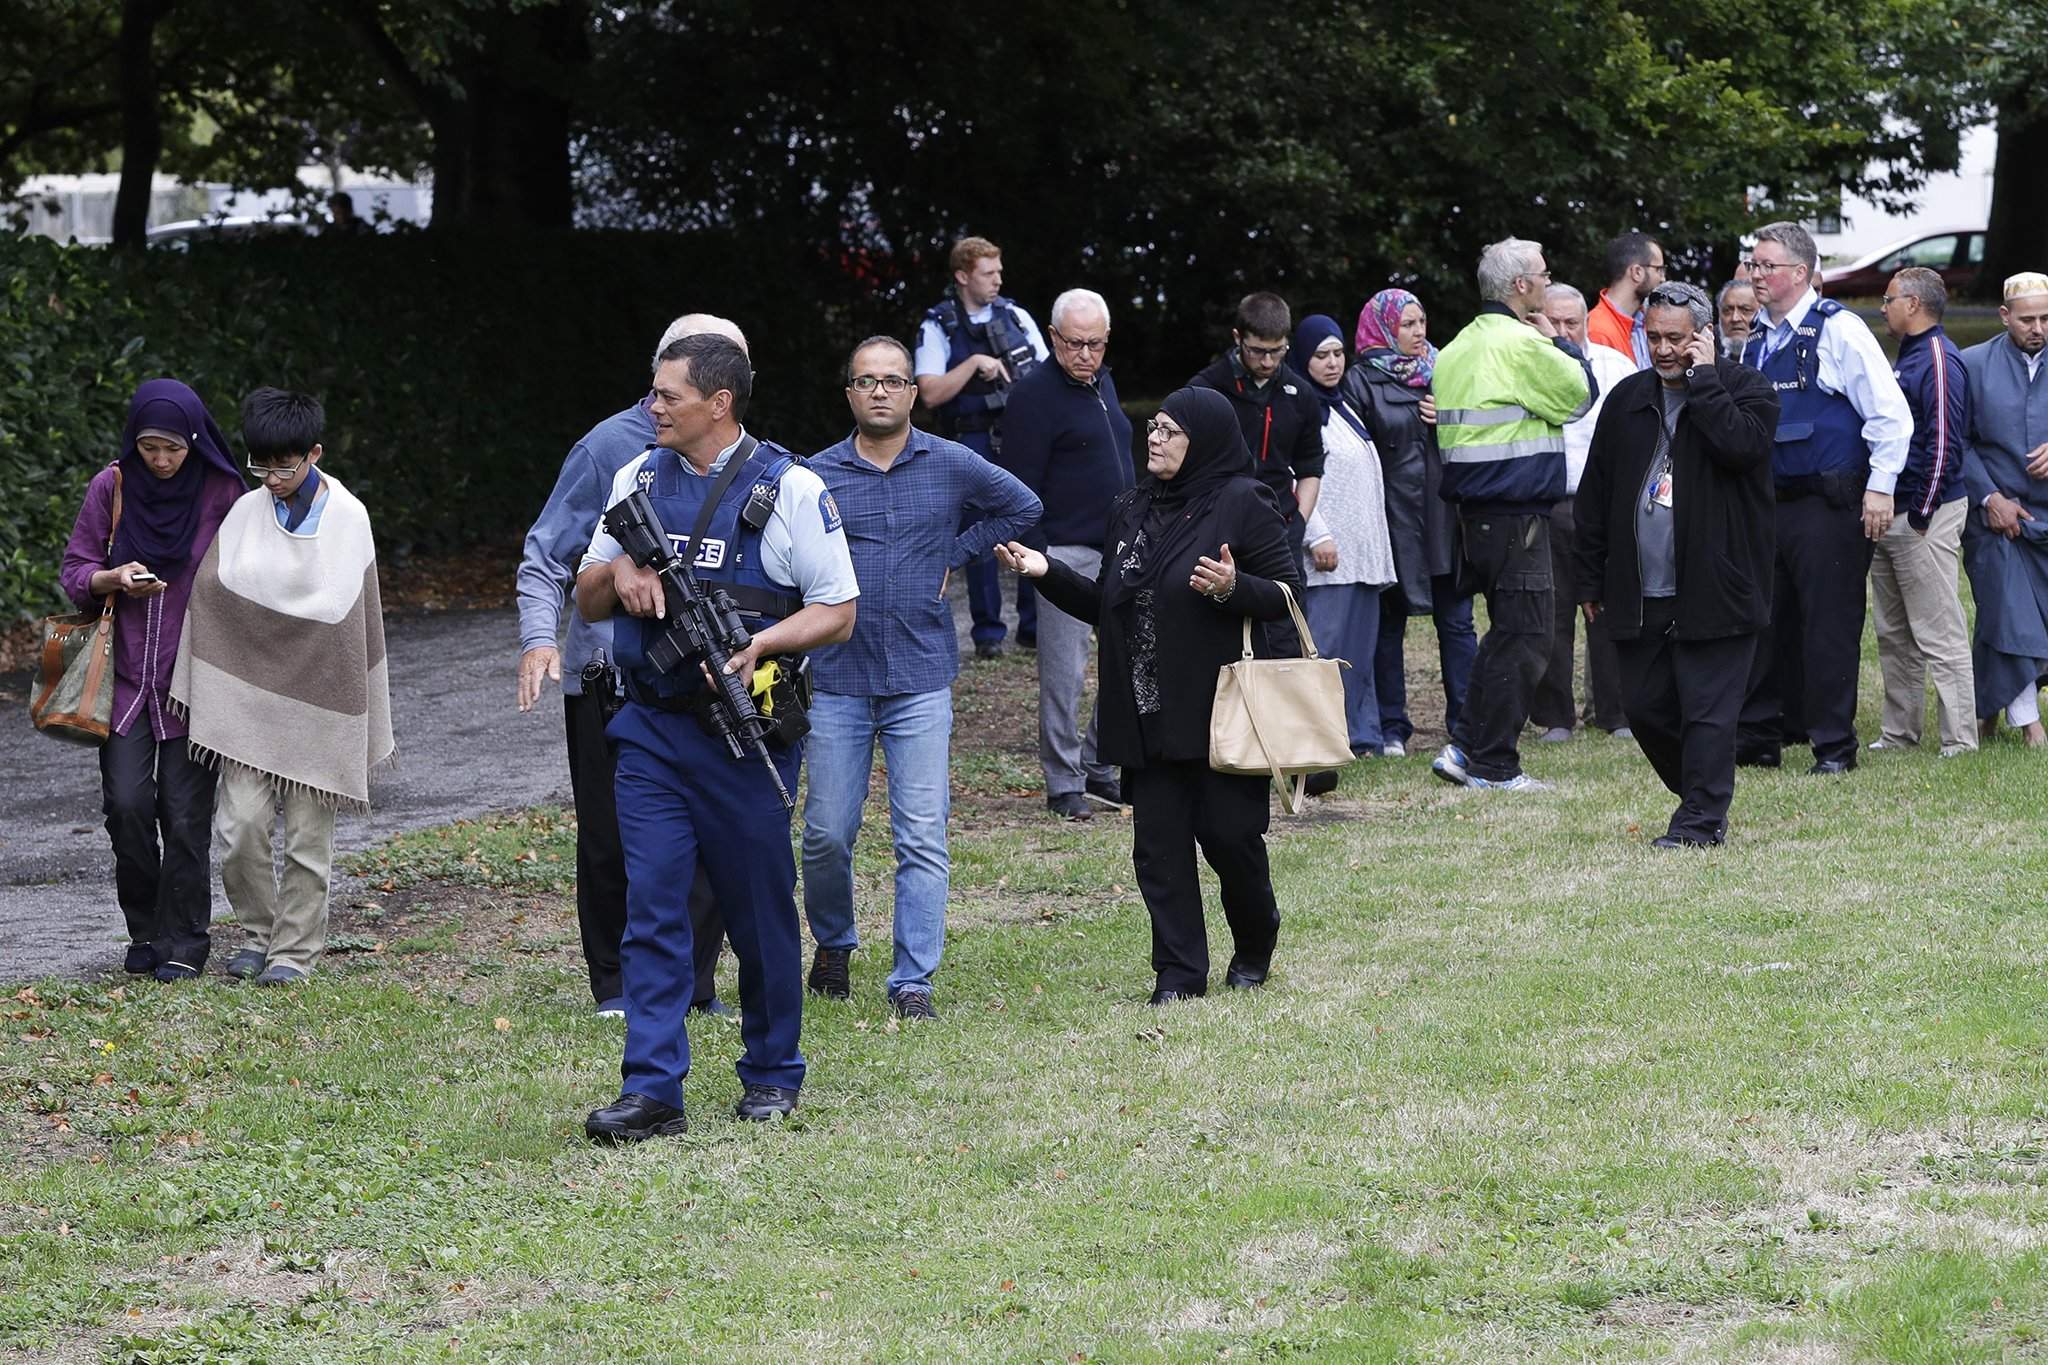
pixel 1308 641
pixel 107 602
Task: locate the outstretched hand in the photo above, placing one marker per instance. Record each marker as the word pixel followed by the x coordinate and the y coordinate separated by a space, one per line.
pixel 1022 559
pixel 1215 578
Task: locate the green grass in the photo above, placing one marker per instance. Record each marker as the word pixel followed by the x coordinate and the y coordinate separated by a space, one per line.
pixel 1523 1089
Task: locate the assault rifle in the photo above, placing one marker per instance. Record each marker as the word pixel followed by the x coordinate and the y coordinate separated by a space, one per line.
pixel 698 627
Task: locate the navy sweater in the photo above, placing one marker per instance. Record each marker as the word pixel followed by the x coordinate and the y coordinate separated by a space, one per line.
pixel 1071 445
pixel 1930 370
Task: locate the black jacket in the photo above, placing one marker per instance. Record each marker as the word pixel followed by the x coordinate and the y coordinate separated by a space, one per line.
pixel 1071 444
pixel 1725 521
pixel 1419 523
pixel 1282 429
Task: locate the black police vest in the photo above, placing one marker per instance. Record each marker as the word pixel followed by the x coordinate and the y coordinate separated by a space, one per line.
pixel 979 404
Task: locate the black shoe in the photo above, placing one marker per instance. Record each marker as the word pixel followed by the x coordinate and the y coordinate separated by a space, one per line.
pixel 635 1118
pixel 176 971
pixel 1243 978
pixel 1682 841
pixel 1163 997
pixel 913 1005
pixel 988 650
pixel 1107 790
pixel 828 973
pixel 1829 766
pixel 763 1102
pixel 1759 758
pixel 717 1008
pixel 141 959
pixel 1070 806
pixel 1027 641
pixel 1322 783
pixel 246 963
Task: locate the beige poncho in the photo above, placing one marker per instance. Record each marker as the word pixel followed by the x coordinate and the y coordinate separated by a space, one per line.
pixel 281 667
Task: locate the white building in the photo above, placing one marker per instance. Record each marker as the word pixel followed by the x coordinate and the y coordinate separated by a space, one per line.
pixel 1952 201
pixel 81 207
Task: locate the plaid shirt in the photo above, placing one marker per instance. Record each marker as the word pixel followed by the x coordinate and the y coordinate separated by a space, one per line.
pixel 903 526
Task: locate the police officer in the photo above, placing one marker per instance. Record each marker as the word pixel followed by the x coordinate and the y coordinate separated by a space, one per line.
pixel 764 529
pixel 973 345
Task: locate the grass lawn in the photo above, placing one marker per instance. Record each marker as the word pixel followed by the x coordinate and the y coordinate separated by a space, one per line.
pixel 1523 1089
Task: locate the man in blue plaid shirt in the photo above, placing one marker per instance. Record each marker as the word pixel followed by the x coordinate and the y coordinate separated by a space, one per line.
pixel 902 494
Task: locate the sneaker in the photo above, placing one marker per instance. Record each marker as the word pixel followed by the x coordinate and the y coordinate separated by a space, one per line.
pixel 716 1008
pixel 614 1008
pixel 1450 765
pixel 635 1118
pixel 760 1103
pixel 988 650
pixel 245 963
pixel 1956 750
pixel 828 974
pixel 176 971
pixel 1520 782
pixel 1881 744
pixel 1070 806
pixel 1106 790
pixel 1393 748
pixel 913 1005
pixel 1556 734
pixel 1623 732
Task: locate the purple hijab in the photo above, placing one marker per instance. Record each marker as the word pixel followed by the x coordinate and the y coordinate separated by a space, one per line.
pixel 1379 326
pixel 160 516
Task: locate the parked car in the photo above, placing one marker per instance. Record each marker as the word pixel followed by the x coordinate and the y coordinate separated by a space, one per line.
pixel 180 236
pixel 1956 254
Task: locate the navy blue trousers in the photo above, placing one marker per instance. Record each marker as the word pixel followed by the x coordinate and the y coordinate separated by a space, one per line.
pixel 985 578
pixel 685 802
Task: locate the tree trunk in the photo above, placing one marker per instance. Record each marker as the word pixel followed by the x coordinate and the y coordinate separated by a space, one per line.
pixel 142 132
pixel 2018 238
pixel 501 150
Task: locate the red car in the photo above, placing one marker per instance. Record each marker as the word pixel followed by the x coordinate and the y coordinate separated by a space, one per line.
pixel 1957 255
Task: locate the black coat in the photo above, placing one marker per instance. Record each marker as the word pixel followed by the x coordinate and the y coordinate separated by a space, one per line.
pixel 1723 508
pixel 1283 428
pixel 1419 523
pixel 1195 635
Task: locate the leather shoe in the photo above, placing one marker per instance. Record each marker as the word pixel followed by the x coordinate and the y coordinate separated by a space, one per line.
pixel 1164 997
pixel 1759 758
pixel 1107 790
pixel 245 963
pixel 635 1118
pixel 141 959
pixel 1828 766
pixel 1682 841
pixel 1321 783
pixel 1242 978
pixel 715 1007
pixel 1070 806
pixel 176 971
pixel 985 650
pixel 763 1102
pixel 828 973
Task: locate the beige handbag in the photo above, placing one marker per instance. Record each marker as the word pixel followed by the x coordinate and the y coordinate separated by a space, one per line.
pixel 1283 717
pixel 74 697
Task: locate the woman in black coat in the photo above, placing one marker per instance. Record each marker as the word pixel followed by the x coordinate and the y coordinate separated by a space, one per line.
pixel 1389 386
pixel 1189 553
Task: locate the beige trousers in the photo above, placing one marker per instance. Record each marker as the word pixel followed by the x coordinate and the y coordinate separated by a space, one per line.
pixel 1921 633
pixel 285 917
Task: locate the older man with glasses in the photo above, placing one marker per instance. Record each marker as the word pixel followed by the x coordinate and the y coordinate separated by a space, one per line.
pixel 1843 429
pixel 1070 443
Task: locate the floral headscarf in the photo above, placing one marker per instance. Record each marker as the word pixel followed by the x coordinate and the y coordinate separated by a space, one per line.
pixel 1379 323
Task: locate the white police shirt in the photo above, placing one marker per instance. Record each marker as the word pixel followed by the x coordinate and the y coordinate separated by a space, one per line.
pixel 1853 366
pixel 934 351
pixel 803 546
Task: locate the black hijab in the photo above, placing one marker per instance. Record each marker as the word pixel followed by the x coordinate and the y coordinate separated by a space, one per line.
pixel 1162 514
pixel 159 517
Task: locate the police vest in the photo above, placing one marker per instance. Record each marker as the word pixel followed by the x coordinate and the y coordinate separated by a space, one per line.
pixel 979 404
pixel 1818 432
pixel 729 556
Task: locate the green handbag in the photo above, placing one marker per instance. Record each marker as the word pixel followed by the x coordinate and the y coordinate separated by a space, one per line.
pixel 75 693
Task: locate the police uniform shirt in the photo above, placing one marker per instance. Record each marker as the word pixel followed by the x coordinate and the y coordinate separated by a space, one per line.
pixel 933 349
pixel 803 546
pixel 1853 366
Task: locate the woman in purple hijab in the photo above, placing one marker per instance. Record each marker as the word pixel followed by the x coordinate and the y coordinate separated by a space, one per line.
pixel 175 482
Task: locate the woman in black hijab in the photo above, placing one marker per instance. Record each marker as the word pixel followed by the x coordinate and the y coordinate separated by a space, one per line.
pixel 1190 552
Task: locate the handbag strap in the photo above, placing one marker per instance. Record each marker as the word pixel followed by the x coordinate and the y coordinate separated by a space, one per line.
pixel 1291 806
pixel 1308 641
pixel 107 602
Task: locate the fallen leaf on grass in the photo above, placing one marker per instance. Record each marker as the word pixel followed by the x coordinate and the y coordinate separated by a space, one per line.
pixel 502 1024
pixel 1007 1286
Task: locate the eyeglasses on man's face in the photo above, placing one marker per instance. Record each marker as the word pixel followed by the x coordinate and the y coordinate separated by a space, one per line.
pixel 274 471
pixel 1094 346
pixel 887 383
pixel 1264 352
pixel 1765 267
pixel 1165 431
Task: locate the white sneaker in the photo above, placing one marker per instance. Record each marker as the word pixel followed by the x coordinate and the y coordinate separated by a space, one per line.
pixel 1520 782
pixel 1880 745
pixel 1450 765
pixel 1393 748
pixel 1952 750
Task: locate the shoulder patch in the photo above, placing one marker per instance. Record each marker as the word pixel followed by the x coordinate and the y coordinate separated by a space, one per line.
pixel 828 510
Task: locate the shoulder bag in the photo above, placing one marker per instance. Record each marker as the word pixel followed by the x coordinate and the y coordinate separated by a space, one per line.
pixel 75 690
pixel 1283 717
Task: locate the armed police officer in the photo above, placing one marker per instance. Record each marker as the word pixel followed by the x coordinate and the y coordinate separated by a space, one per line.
pixel 973 345
pixel 758 527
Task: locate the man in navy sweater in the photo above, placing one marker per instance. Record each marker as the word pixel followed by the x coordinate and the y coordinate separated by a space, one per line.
pixel 1917 609
pixel 1069 441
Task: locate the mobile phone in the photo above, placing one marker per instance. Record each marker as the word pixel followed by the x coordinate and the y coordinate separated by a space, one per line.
pixel 144 577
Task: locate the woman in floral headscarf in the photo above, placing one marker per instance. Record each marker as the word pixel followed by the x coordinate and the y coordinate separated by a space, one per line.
pixel 1390 386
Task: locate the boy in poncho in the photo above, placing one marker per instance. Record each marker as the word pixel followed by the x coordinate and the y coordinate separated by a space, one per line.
pixel 281 672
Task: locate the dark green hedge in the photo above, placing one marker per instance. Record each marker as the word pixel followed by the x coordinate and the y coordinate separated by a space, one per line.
pixel 456 369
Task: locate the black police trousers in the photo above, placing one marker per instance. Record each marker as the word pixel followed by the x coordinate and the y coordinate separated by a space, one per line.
pixel 1506 556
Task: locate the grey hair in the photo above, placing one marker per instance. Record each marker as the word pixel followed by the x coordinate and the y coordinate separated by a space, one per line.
pixel 1076 298
pixel 1565 291
pixel 1925 287
pixel 1721 299
pixel 1504 262
pixel 690 324
pixel 1690 297
pixel 1796 240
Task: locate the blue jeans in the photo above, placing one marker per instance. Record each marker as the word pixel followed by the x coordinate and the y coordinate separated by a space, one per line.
pixel 916 730
pixel 1457 642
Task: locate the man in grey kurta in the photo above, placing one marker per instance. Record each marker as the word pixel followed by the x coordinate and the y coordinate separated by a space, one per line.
pixel 2005 539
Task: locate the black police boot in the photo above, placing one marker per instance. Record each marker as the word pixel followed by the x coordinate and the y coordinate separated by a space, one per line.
pixel 763 1102
pixel 634 1118
pixel 829 975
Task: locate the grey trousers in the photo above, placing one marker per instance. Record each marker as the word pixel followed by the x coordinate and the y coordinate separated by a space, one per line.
pixel 285 916
pixel 1064 644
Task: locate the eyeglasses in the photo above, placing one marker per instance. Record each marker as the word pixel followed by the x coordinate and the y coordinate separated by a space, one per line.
pixel 1264 352
pixel 1095 347
pixel 1768 266
pixel 1887 301
pixel 1165 431
pixel 274 471
pixel 868 383
pixel 1535 275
